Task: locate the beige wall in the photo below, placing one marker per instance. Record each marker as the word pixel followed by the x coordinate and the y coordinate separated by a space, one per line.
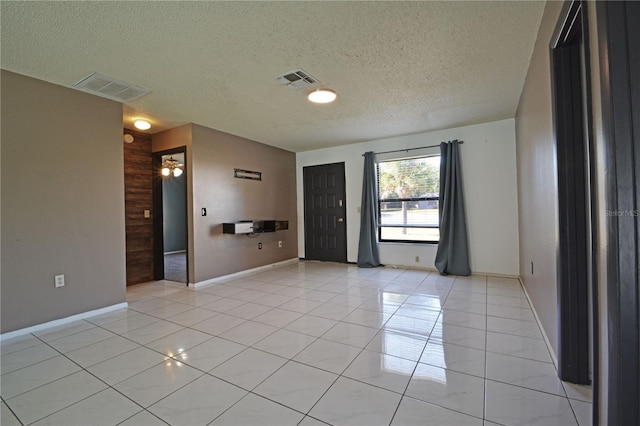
pixel 537 180
pixel 211 158
pixel 227 199
pixel 62 202
pixel 537 193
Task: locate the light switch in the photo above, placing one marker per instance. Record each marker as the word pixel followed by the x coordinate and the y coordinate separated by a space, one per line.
pixel 204 211
pixel 147 214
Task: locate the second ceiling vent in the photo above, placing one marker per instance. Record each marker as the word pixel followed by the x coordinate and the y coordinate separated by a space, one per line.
pixel 297 79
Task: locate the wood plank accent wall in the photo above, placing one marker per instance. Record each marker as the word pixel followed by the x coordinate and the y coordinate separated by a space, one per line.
pixel 138 196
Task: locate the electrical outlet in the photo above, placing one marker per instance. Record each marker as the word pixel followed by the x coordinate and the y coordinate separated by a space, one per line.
pixel 259 246
pixel 147 214
pixel 417 258
pixel 279 244
pixel 59 280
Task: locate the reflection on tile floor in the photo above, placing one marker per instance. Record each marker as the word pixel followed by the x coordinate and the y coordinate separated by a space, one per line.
pixel 310 343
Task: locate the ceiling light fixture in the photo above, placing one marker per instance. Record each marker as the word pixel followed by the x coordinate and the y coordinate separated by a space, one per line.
pixel 171 167
pixel 322 96
pixel 142 124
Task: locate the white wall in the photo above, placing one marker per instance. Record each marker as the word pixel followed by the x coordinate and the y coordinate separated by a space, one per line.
pixel 489 178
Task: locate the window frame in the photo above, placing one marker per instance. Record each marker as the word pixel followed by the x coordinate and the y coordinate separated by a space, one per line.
pixel 409 199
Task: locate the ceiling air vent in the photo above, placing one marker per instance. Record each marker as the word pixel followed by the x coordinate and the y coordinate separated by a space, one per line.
pixel 108 87
pixel 297 79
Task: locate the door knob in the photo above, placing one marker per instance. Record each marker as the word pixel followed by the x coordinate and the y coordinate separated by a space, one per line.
pixel 340 219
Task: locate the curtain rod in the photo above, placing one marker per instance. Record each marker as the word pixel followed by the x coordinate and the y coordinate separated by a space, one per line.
pixel 412 149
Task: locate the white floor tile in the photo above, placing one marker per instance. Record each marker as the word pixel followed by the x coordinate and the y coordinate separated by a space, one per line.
pixel 129 364
pixel 218 324
pixel 515 327
pixel 28 378
pixel 418 413
pixel 248 333
pixel 248 310
pixel 311 325
pixel 129 323
pixel 367 318
pixel 510 312
pixel 248 368
pixel 462 336
pixel 18 343
pixel 463 319
pixel 523 372
pixel 80 340
pixel 101 351
pixel 328 355
pixel 522 347
pixel 285 343
pixel 178 342
pixel 45 400
pixel 157 382
pixel 53 333
pixel 461 347
pixel 406 346
pixel 211 353
pixel 7 418
pixel 349 402
pixel 192 316
pixel 143 418
pixel 197 403
pixel 153 331
pixel 447 388
pixel 407 325
pixel 514 405
pixel 23 358
pixel 277 317
pixel 258 411
pixel 332 311
pixel 382 370
pixel 107 407
pixel 296 386
pixel 583 411
pixel 453 357
pixel 350 334
pixel 580 392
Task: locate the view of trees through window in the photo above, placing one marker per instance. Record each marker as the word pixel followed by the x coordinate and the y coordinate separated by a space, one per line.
pixel 408 199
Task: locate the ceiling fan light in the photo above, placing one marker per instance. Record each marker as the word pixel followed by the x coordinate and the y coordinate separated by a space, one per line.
pixel 165 171
pixel 177 172
pixel 322 96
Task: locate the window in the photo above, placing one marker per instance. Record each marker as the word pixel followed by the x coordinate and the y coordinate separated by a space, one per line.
pixel 408 192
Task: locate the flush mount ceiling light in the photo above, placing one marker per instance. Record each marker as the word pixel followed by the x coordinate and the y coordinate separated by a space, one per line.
pixel 171 167
pixel 322 96
pixel 142 124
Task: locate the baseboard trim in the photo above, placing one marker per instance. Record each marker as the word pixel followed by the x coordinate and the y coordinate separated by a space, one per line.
pixel 544 333
pixel 62 321
pixel 244 273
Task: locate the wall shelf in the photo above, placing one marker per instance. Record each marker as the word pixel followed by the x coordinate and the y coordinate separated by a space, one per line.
pixel 254 226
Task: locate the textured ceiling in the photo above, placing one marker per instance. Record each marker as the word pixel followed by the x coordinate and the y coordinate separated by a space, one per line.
pixel 398 67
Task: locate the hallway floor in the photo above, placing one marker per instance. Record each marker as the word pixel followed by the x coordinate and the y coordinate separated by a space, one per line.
pixel 309 344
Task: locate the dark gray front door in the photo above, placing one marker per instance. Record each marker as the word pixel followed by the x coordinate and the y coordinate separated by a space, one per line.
pixel 324 213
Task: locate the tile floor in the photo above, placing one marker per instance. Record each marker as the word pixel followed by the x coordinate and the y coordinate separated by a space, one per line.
pixel 310 344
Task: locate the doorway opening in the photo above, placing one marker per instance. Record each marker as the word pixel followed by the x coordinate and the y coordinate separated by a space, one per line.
pixel 170 213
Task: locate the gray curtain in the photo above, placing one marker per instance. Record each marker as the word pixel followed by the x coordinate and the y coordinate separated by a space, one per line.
pixel 452 256
pixel 368 256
